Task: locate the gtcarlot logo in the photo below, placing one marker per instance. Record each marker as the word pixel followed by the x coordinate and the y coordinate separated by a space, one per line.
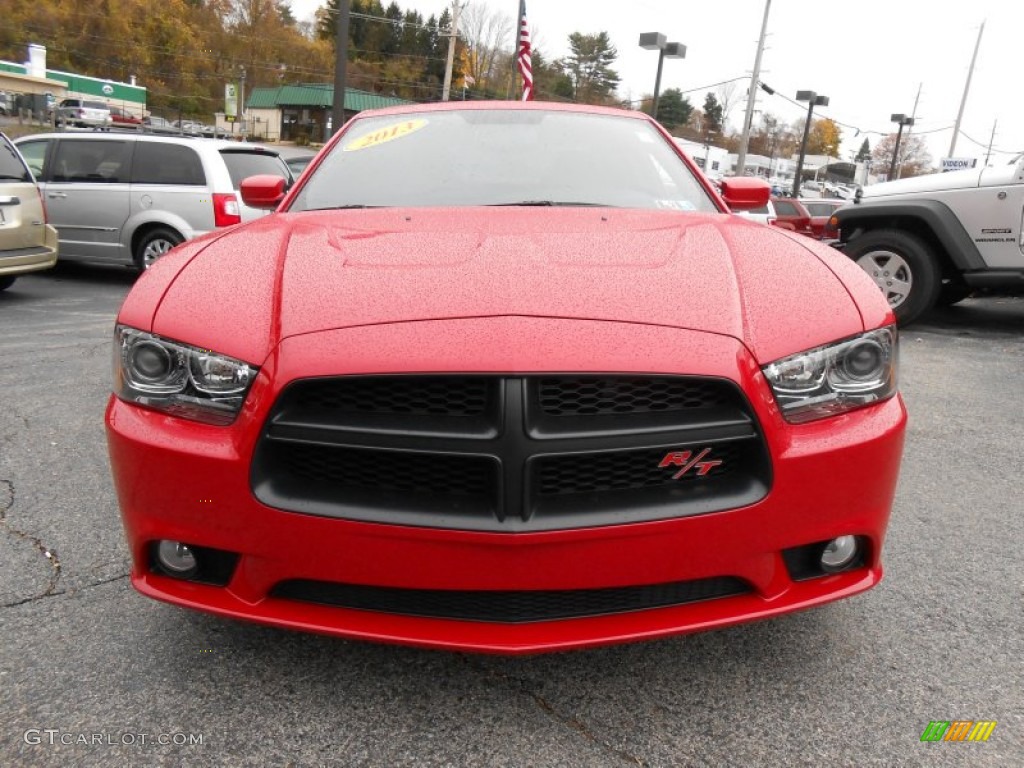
pixel 54 737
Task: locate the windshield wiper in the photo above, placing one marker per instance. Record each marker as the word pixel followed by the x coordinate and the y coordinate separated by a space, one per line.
pixel 565 203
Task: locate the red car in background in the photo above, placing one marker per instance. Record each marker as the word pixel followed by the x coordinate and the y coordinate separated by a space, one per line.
pixel 122 119
pixel 791 214
pixel 520 383
pixel 821 211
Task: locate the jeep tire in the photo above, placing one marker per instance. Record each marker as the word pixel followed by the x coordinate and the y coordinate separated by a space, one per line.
pixel 903 267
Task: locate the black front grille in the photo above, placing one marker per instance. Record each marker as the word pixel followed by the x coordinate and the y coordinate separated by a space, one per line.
pixel 510 606
pixel 357 469
pixel 420 396
pixel 605 395
pixel 510 453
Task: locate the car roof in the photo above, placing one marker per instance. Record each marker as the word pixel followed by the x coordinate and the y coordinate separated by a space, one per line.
pixel 526 106
pixel 114 135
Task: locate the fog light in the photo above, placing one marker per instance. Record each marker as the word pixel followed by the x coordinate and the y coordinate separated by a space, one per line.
pixel 176 558
pixel 838 553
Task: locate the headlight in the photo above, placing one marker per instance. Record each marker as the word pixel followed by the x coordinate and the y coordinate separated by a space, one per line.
pixel 177 378
pixel 835 378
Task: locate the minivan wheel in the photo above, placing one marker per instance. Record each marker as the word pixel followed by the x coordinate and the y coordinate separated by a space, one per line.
pixel 903 268
pixel 6 282
pixel 155 244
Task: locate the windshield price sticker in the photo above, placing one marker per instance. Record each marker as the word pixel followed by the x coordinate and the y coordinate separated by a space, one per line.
pixel 385 134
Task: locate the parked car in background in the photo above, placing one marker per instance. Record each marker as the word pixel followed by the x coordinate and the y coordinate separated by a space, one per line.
pixel 27 242
pixel 84 114
pixel 821 211
pixel 472 390
pixel 764 214
pixel 188 127
pixel 128 198
pixel 298 163
pixel 121 119
pixel 790 214
pixel 155 124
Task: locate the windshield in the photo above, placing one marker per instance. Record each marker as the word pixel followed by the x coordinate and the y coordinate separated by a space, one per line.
pixel 502 157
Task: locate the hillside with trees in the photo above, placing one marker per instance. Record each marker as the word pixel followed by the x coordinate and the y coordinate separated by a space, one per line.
pixel 184 51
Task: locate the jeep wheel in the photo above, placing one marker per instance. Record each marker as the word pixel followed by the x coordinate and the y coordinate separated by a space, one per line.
pixel 153 245
pixel 903 267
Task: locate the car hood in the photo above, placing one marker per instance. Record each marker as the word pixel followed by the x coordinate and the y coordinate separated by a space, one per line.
pixel 933 182
pixel 291 274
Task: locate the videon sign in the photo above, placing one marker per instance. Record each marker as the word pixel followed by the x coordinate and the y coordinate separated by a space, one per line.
pixel 958 163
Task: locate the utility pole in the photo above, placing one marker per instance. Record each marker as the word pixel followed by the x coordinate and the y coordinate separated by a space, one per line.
pixel 967 88
pixel 741 160
pixel 910 129
pixel 451 51
pixel 990 140
pixel 340 66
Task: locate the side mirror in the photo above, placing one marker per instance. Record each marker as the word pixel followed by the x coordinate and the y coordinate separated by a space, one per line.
pixel 264 191
pixel 743 193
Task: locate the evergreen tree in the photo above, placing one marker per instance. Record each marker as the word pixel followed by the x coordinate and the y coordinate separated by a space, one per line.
pixel 712 115
pixel 674 109
pixel 589 67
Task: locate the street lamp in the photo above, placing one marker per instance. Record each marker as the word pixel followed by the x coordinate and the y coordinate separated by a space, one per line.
pixel 813 100
pixel 902 120
pixel 655 41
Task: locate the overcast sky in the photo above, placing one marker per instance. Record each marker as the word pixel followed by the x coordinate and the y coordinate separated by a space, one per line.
pixel 869 57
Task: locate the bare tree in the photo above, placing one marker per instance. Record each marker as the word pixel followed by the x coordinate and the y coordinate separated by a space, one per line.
pixel 727 99
pixel 914 159
pixel 490 36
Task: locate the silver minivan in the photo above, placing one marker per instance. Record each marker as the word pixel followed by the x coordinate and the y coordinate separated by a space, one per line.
pixel 128 198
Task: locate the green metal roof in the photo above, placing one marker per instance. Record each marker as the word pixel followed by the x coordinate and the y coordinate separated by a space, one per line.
pixel 317 95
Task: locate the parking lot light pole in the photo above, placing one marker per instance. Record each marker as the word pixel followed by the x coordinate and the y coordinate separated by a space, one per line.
pixel 902 120
pixel 655 41
pixel 813 100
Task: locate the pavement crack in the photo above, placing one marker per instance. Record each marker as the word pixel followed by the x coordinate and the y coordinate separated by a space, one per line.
pixel 570 721
pixel 6 502
pixel 75 591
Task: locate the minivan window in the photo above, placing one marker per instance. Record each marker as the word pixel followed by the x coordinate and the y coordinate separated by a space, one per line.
pixel 11 167
pixel 34 153
pixel 158 163
pixel 99 162
pixel 243 164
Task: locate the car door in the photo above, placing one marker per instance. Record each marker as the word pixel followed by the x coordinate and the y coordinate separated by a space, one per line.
pixel 22 224
pixel 87 196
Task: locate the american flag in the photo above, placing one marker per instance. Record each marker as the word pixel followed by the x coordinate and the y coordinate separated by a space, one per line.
pixel 523 54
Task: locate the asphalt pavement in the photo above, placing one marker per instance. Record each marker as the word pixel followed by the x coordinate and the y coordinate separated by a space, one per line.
pixel 93 674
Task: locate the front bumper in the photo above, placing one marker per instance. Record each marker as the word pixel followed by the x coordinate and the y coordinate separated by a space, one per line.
pixel 189 482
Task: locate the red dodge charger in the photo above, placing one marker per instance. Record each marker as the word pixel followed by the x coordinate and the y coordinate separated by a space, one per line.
pixel 506 378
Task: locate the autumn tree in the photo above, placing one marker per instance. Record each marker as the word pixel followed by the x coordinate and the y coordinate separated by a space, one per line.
pixel 824 138
pixel 914 158
pixel 589 67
